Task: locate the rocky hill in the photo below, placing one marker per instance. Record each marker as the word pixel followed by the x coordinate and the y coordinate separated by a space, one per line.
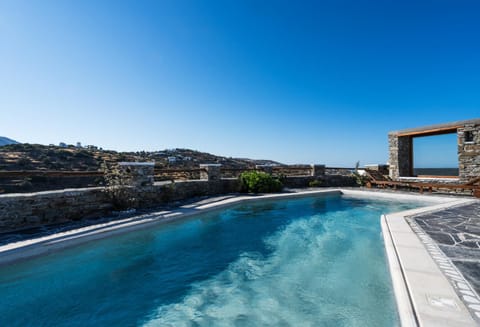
pixel 40 157
pixel 6 141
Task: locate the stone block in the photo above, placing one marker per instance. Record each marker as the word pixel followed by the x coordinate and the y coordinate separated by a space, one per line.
pixel 317 170
pixel 211 172
pixel 382 168
pixel 265 168
pixel 138 173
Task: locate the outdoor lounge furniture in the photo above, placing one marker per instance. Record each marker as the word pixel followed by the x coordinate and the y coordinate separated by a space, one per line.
pixel 376 178
pixel 473 185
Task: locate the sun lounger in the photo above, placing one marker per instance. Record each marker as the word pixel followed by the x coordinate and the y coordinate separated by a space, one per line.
pixel 376 178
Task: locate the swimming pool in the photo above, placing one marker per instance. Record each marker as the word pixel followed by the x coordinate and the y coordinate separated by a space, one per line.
pixel 307 261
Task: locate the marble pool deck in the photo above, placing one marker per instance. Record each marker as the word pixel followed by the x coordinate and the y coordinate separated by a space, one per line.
pixel 433 251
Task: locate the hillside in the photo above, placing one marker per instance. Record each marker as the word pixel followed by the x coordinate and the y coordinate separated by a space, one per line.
pixel 21 157
pixel 40 157
pixel 6 141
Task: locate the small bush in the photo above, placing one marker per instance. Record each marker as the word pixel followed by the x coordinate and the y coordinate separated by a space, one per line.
pixel 315 183
pixel 24 161
pixel 26 184
pixel 361 180
pixel 82 154
pixel 259 182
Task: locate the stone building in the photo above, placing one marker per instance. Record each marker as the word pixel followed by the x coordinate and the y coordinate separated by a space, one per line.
pixel 468 135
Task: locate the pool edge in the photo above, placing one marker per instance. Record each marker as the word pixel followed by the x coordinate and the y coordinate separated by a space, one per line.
pixel 408 309
pixel 405 308
pixel 417 281
pixel 18 251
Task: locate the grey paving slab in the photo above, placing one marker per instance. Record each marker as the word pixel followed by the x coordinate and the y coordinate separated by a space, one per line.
pixel 452 236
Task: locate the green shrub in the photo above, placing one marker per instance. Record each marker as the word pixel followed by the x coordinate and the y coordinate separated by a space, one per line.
pixel 26 184
pixel 361 180
pixel 82 154
pixel 259 182
pixel 24 162
pixel 315 183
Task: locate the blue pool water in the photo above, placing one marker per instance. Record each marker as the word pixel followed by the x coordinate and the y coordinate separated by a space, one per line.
pixel 316 261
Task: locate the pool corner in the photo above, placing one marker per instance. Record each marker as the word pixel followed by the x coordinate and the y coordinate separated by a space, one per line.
pixel 424 295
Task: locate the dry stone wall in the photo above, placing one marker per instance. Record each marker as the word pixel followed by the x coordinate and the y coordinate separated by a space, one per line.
pixel 20 211
pixel 400 154
pixel 469 152
pixel 34 209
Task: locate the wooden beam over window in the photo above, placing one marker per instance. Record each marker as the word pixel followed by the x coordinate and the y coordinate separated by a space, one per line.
pixel 431 132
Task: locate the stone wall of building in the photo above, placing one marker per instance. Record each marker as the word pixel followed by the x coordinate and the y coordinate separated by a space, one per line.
pixel 469 152
pixel 468 134
pixel 399 155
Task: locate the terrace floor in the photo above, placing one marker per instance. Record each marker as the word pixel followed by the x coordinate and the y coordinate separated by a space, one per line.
pixel 456 232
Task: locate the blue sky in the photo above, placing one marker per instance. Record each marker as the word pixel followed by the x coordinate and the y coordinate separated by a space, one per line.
pixel 293 81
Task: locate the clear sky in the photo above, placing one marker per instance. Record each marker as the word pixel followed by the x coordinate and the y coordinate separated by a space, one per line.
pixel 293 81
pixel 438 151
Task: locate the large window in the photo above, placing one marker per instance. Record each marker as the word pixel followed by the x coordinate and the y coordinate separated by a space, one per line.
pixel 435 155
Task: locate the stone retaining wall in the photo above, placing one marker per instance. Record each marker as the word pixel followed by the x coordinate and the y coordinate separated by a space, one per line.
pixel 34 209
pixel 20 211
pixel 324 181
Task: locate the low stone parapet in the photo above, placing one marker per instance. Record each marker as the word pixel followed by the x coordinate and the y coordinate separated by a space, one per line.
pixel 20 211
pixel 318 170
pixel 137 173
pixel 211 172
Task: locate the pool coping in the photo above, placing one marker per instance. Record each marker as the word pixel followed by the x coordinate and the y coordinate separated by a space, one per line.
pixel 425 297
pixel 416 278
pixel 35 247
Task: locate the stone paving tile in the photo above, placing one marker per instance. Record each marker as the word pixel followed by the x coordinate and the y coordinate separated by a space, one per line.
pixel 456 231
pixel 471 272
